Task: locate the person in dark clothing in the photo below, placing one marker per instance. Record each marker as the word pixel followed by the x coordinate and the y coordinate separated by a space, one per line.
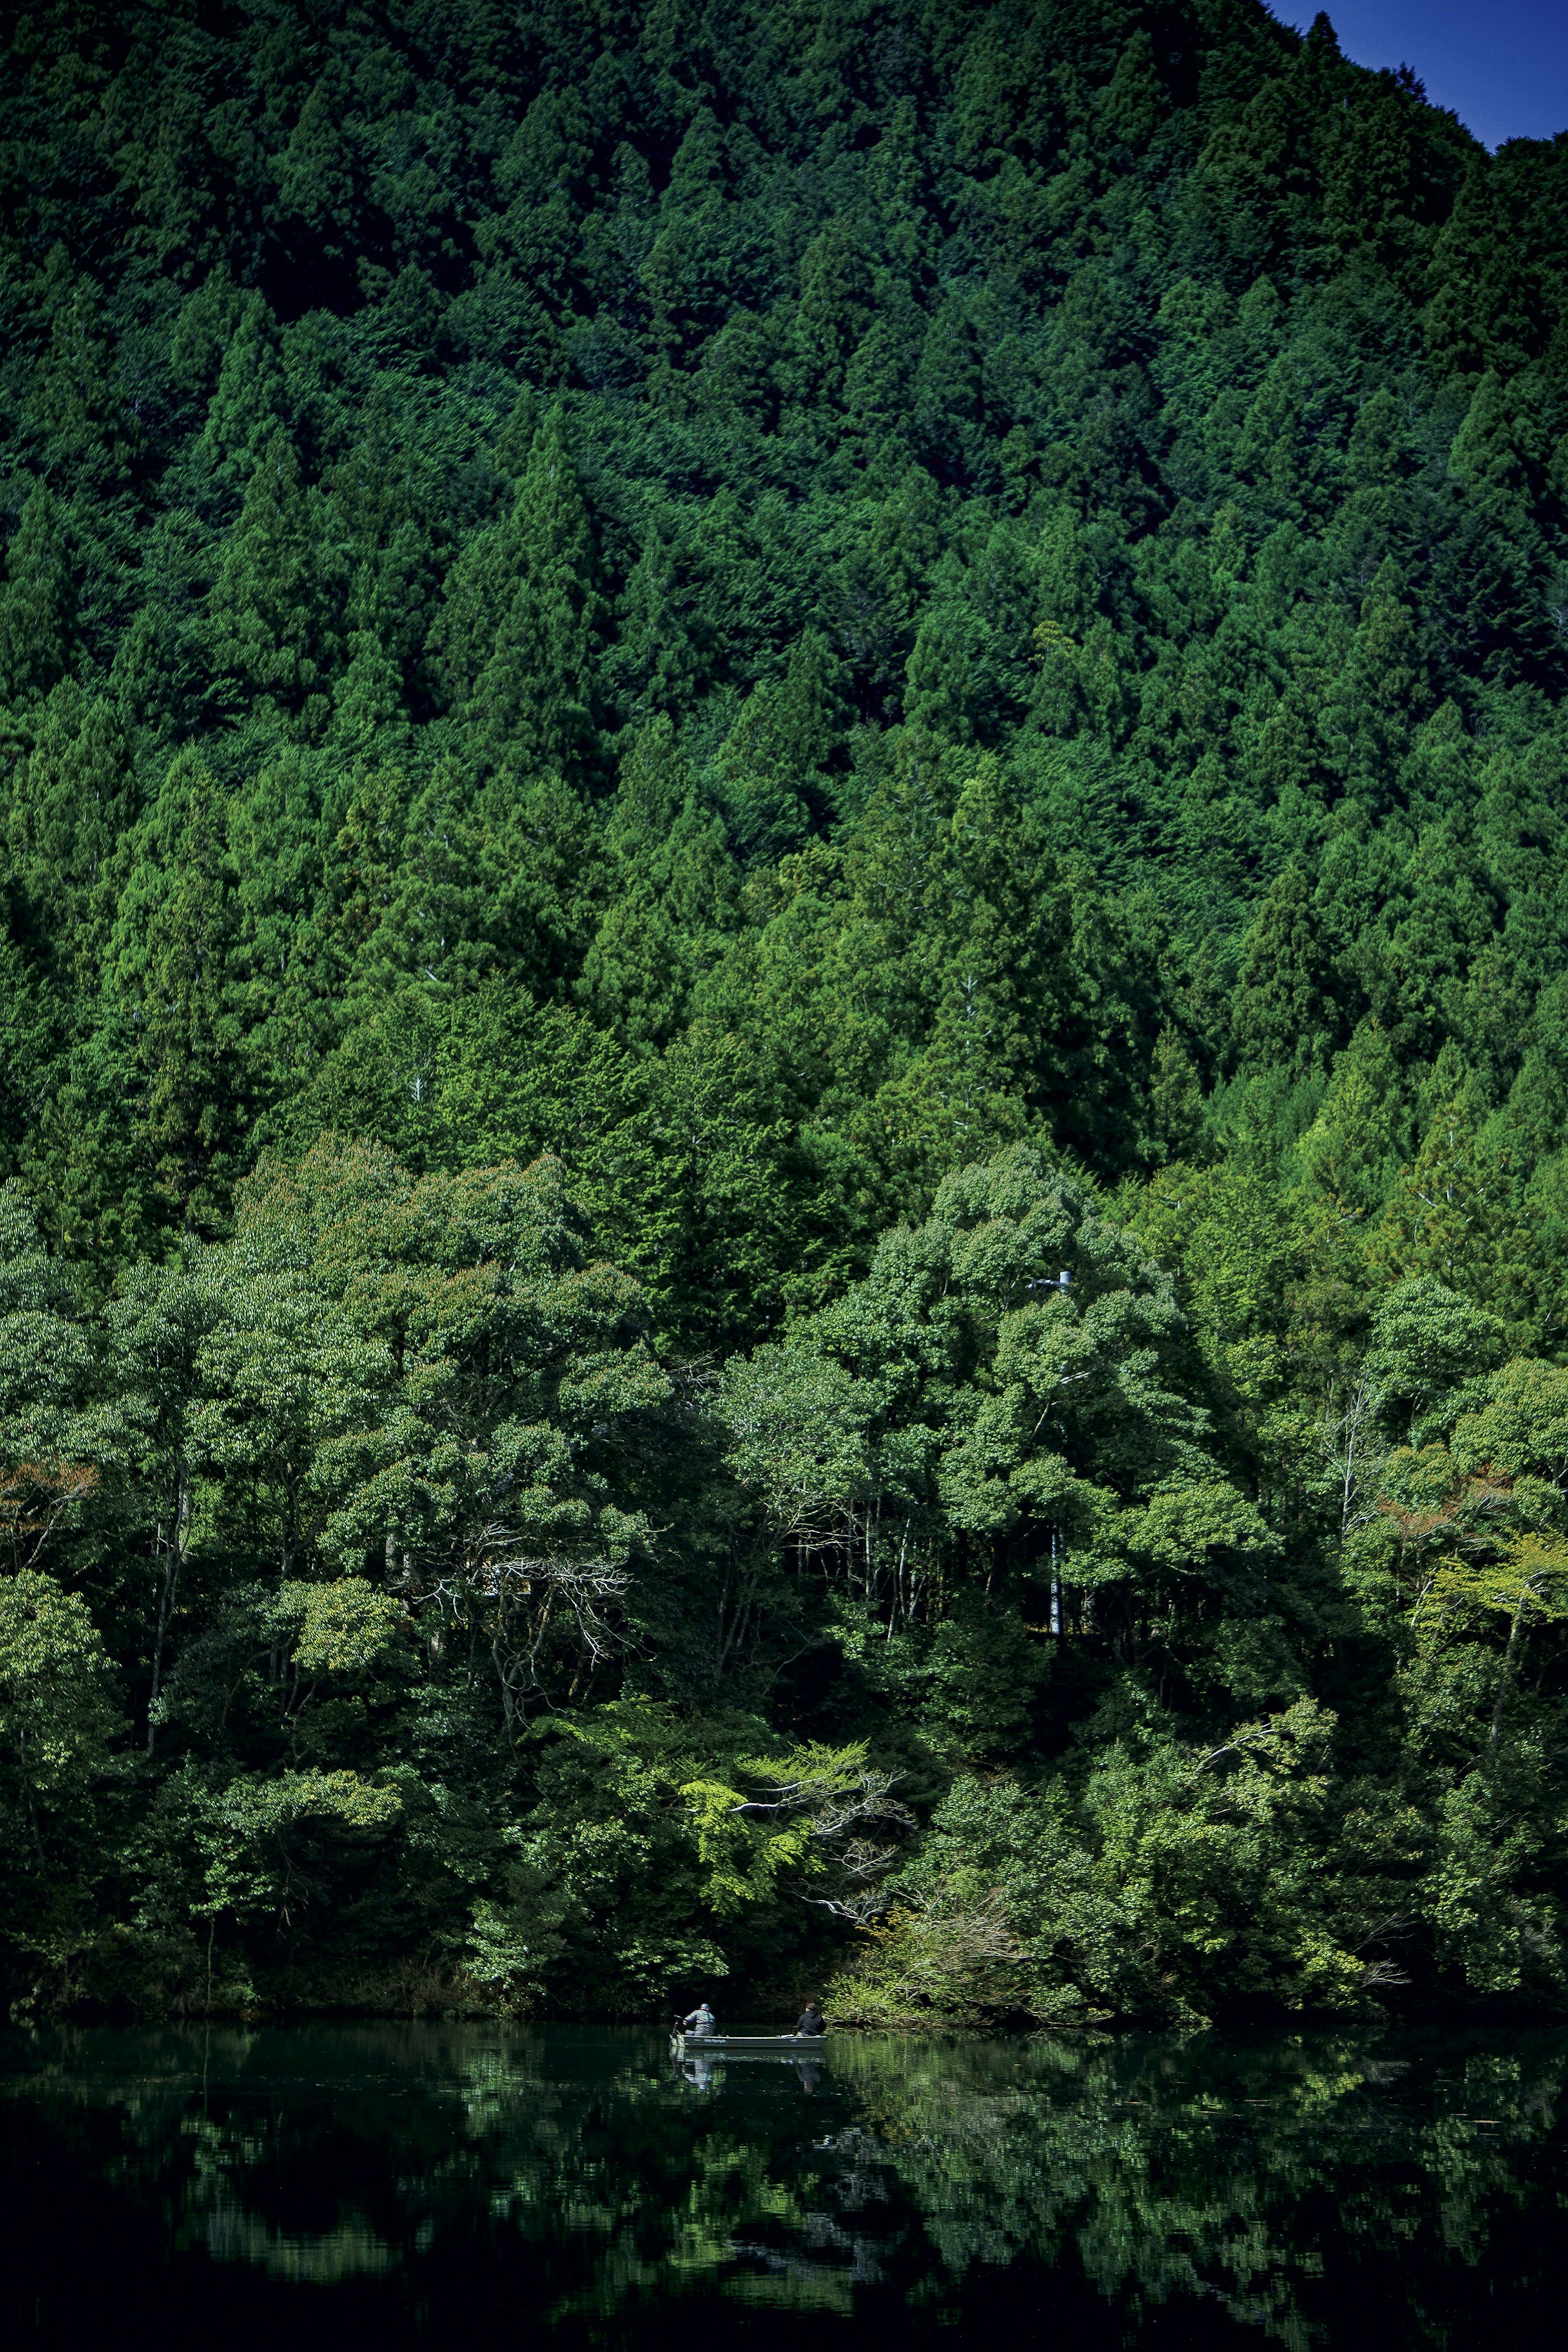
pixel 812 2019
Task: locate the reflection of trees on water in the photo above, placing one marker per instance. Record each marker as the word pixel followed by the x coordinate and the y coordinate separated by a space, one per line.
pixel 603 2182
pixel 1202 2169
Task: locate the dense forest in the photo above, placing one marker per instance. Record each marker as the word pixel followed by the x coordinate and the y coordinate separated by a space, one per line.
pixel 783 1101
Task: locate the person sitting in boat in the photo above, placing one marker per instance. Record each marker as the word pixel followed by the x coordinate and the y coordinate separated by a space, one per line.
pixel 701 2021
pixel 812 2020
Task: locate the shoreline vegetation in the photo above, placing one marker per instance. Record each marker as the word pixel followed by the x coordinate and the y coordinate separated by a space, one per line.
pixel 784 1018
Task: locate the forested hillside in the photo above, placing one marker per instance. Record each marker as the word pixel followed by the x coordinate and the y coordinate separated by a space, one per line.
pixel 784 1078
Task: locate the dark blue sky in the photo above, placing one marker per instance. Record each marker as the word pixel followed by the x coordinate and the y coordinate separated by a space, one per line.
pixel 1502 65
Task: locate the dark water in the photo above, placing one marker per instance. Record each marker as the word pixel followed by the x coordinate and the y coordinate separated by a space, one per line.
pixel 390 2184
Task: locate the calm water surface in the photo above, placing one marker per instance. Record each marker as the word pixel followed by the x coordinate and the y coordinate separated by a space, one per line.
pixel 436 2184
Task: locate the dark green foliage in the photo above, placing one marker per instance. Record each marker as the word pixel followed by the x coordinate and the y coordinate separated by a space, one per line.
pixel 687 703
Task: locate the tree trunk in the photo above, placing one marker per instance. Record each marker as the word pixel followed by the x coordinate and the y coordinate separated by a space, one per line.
pixel 1510 1668
pixel 174 1560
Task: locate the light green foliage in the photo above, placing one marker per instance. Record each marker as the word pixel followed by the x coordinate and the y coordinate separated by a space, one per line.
pixel 964 1387
pixel 651 1829
pixel 1430 1351
pixel 58 1722
pixel 1175 1871
pixel 1522 1428
pixel 344 1626
pixel 786 1819
pixel 57 1715
pixel 1524 1583
pixel 481 1476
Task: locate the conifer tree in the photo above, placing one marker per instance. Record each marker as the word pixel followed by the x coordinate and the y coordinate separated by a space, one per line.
pixel 1457 1213
pixel 89 432
pixel 772 772
pixel 36 602
pixel 516 638
pixel 369 718
pixel 1499 454
pixel 1000 976
pixel 249 404
pixel 671 897
pixel 171 972
pixel 72 803
pixel 271 618
pixel 1289 996
pixel 831 316
pixel 315 171
pixel 1385 691
pixel 1483 309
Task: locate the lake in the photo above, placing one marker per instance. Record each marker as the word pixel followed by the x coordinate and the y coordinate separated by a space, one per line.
pixel 430 2183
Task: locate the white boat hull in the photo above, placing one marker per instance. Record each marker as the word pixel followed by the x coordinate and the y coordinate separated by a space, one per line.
pixel 744 2046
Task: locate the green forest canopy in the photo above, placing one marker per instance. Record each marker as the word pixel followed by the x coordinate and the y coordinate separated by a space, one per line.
pixel 784 1077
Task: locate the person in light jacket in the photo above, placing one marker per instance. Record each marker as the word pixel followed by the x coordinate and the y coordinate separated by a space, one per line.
pixel 701 2021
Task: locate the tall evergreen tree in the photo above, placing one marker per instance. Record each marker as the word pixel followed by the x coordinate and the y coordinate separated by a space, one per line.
pixel 171 976
pixel 517 632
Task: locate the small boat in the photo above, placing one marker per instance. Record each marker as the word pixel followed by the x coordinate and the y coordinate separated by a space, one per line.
pixel 746 2045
